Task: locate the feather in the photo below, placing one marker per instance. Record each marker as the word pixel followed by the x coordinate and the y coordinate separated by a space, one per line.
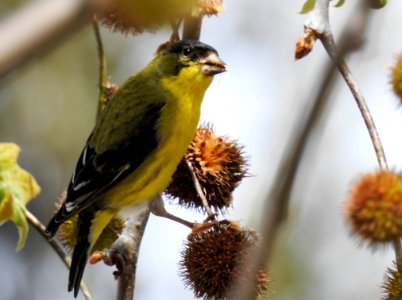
pixel 80 254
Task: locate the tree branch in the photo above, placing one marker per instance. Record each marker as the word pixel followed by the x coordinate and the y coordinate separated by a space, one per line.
pixel 125 252
pixel 398 253
pixel 319 22
pixel 329 44
pixel 192 28
pixel 276 207
pixel 157 208
pixel 102 68
pixel 198 188
pixel 40 228
pixel 38 28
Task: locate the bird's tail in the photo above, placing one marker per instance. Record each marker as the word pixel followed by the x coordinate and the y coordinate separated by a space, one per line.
pixel 80 254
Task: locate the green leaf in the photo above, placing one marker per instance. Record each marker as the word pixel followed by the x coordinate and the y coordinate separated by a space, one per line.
pixel 340 3
pixel 307 7
pixel 17 188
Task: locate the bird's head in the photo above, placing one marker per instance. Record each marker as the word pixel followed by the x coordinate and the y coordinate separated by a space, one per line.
pixel 192 57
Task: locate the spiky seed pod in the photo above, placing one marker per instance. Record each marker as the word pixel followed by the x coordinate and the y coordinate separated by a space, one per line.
pixel 392 286
pixel 219 166
pixel 217 260
pixel 374 207
pixel 68 231
pixel 208 7
pixel 137 16
pixel 396 77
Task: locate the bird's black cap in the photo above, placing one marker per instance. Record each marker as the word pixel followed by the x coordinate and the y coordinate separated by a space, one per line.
pixel 191 48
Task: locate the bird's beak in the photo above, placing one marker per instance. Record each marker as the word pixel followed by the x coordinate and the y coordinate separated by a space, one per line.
pixel 211 64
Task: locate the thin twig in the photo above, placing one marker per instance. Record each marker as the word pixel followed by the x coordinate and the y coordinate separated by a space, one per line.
pixel 329 44
pixel 198 188
pixel 157 207
pixel 319 22
pixel 175 36
pixel 276 207
pixel 102 67
pixel 41 229
pixel 192 28
pixel 126 250
pixel 398 252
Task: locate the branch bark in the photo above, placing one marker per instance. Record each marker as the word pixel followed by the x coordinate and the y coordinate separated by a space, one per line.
pixel 126 250
pixel 38 28
pixel 192 28
pixel 41 229
pixel 102 68
pixel 319 22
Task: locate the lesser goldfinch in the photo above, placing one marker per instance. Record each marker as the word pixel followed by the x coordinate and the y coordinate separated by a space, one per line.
pixel 137 143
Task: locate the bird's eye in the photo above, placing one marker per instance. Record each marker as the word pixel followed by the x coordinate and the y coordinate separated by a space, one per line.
pixel 186 50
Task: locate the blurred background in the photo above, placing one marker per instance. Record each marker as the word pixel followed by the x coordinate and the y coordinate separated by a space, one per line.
pixel 48 108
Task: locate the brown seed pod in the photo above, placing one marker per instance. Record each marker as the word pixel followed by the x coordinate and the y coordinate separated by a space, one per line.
pixel 219 166
pixel 392 286
pixel 374 207
pixel 67 232
pixel 396 77
pixel 137 16
pixel 216 261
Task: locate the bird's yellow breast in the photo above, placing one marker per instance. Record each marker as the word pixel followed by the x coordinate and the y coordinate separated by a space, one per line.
pixel 176 128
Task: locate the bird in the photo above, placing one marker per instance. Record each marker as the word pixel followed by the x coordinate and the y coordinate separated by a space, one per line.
pixel 137 142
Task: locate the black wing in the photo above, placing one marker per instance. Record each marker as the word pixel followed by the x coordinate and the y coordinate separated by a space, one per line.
pixel 96 172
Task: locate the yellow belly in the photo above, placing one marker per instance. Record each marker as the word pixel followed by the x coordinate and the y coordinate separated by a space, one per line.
pixel 154 174
pixel 176 127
